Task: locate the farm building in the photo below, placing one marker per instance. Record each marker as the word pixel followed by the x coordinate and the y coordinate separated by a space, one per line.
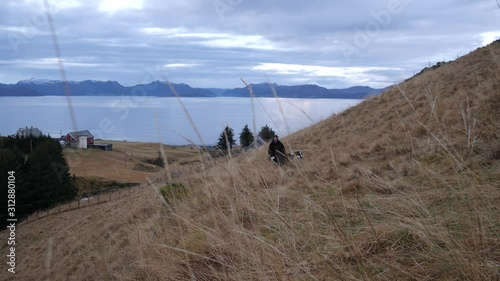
pixel 79 139
pixel 26 132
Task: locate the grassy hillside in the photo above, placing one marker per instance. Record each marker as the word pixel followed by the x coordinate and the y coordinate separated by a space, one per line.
pixel 126 164
pixel 403 186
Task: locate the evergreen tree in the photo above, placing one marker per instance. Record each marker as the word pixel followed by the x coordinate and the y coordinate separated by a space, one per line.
pixel 39 178
pixel 25 144
pixel 66 189
pixel 42 180
pixel 246 137
pixel 266 133
pixel 226 139
pixel 11 164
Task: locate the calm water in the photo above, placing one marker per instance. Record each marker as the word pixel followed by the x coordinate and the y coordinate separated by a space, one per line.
pixel 157 119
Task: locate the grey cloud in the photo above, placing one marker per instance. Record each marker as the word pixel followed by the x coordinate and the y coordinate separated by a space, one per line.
pixel 223 45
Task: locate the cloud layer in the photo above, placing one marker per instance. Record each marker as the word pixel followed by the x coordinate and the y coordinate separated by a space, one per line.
pixel 212 43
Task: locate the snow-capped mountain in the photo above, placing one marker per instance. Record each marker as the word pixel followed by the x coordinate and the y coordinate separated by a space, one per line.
pixel 44 87
pixel 34 81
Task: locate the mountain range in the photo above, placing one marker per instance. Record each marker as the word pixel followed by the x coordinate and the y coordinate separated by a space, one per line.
pixel 39 87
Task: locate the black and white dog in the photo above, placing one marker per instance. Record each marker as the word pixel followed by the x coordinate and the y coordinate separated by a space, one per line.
pixel 297 154
pixel 294 155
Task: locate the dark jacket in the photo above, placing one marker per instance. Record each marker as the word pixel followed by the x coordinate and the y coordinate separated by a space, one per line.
pixel 274 148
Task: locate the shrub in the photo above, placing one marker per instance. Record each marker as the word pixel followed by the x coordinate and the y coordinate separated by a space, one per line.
pixel 173 191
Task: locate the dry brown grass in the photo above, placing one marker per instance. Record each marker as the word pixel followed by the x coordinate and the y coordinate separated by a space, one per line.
pixel 125 164
pixel 95 243
pixel 404 186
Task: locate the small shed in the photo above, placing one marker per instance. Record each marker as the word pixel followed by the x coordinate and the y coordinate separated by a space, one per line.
pixel 82 142
pixel 104 146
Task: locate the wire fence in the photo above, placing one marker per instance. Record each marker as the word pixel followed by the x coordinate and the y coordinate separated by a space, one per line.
pixel 79 204
pixel 99 198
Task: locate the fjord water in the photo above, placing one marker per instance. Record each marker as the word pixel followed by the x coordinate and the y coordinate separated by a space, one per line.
pixel 159 119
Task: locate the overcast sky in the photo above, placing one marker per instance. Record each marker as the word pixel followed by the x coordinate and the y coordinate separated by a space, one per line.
pixel 212 43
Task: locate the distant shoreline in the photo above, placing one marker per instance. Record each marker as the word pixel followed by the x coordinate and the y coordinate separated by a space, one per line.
pixel 37 87
pixel 101 141
pixel 214 97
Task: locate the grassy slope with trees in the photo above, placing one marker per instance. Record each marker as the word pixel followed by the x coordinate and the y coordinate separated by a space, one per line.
pixel 42 177
pixel 403 186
